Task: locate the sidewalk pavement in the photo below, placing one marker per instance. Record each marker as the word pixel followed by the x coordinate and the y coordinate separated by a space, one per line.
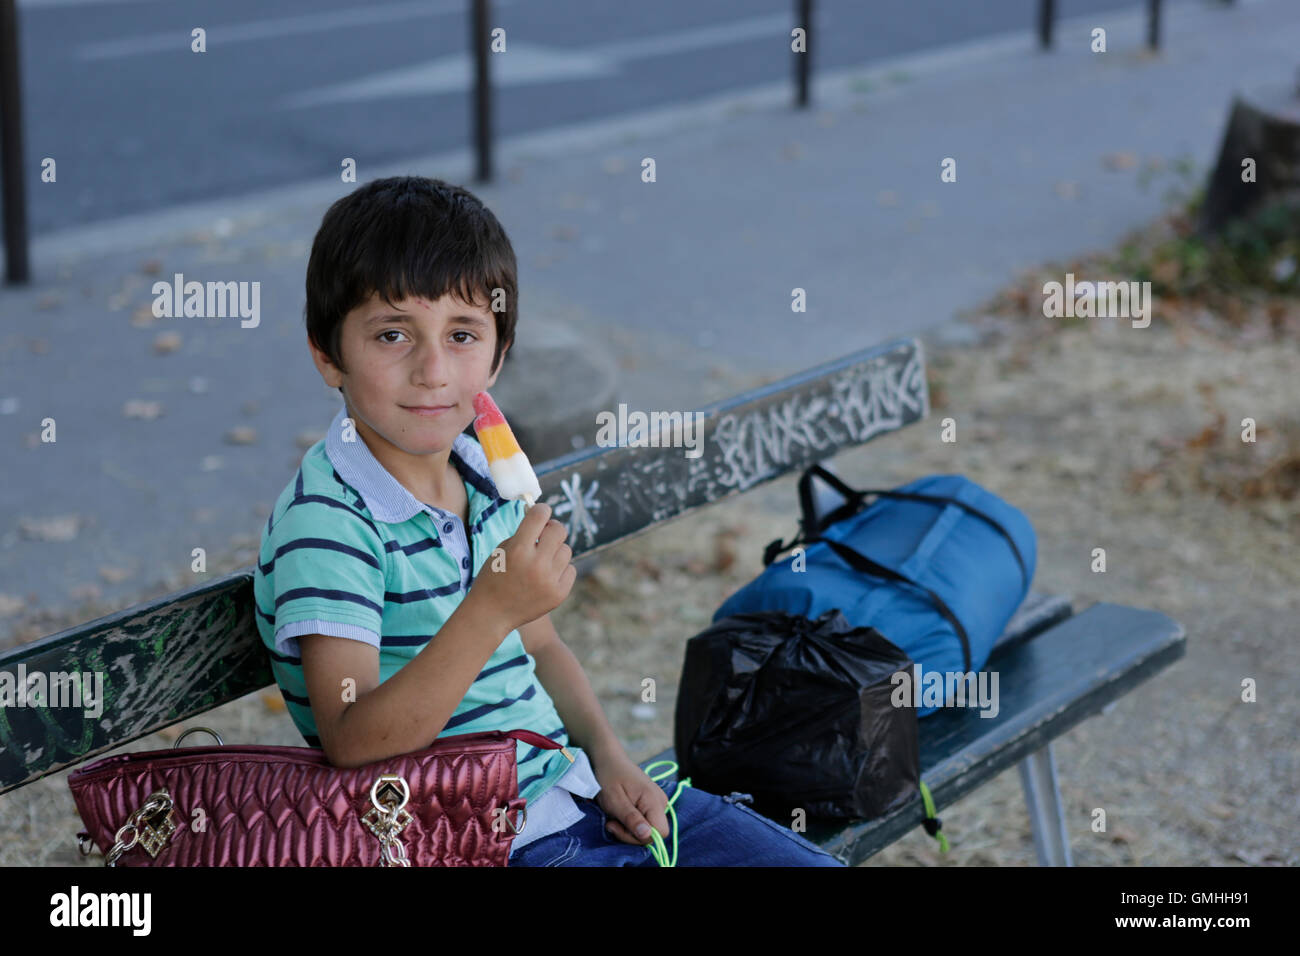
pixel 684 284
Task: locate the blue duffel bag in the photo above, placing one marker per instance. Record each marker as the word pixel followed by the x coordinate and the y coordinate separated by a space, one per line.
pixel 938 566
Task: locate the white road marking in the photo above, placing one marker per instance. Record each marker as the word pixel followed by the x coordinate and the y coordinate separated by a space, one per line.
pixel 527 64
pixel 178 40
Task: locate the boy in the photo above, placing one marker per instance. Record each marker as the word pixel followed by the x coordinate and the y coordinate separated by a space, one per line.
pixel 377 600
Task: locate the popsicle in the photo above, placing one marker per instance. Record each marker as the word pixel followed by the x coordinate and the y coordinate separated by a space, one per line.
pixel 511 471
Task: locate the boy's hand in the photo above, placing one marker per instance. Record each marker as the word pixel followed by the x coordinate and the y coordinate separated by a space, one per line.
pixel 630 800
pixel 535 574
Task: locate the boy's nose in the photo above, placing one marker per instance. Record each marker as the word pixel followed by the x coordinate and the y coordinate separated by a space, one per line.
pixel 430 365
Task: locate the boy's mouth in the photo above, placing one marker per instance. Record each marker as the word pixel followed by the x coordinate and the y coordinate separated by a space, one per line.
pixel 428 410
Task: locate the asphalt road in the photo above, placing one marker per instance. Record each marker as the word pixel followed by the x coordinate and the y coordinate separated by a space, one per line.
pixel 136 121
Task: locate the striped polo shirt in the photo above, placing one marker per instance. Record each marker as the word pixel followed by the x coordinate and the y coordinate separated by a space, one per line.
pixel 349 552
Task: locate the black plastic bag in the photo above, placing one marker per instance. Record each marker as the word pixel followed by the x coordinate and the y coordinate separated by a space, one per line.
pixel 797 713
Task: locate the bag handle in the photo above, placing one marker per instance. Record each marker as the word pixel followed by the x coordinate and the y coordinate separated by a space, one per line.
pixel 811 527
pixel 807 519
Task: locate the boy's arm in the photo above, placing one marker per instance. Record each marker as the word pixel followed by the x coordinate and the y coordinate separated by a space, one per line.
pixel 566 683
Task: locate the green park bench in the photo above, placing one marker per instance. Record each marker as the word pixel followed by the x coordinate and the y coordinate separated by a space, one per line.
pixel 174 658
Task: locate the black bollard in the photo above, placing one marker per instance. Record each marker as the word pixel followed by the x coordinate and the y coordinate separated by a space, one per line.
pixel 17 266
pixel 478 41
pixel 802 67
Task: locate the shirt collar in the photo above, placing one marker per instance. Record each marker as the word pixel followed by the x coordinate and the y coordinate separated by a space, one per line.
pixel 388 499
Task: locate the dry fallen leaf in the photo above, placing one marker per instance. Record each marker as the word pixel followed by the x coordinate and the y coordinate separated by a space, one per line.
pixel 166 342
pixel 725 551
pixel 1122 834
pixel 1067 189
pixel 113 574
pixel 138 408
pixel 85 592
pixel 273 701
pixel 241 435
pixel 56 528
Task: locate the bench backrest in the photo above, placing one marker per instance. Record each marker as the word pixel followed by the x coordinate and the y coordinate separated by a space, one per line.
pixel 166 660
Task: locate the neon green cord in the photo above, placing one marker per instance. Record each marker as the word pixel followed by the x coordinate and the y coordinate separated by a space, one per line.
pixel 656 848
pixel 929 815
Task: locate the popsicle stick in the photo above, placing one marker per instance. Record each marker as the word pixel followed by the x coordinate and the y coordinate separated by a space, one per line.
pixel 528 502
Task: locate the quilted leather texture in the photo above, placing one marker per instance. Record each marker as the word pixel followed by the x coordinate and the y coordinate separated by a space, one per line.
pixel 287 806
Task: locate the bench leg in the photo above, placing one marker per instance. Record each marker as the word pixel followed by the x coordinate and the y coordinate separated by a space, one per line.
pixel 1046 814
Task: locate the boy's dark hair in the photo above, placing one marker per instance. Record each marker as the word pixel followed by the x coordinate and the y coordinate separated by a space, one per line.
pixel 407 236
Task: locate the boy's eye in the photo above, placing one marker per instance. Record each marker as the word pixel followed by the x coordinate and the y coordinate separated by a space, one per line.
pixel 399 332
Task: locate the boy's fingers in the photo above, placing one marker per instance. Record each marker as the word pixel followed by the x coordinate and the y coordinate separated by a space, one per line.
pixel 621 811
pixel 620 832
pixel 633 821
pixel 659 820
pixel 535 519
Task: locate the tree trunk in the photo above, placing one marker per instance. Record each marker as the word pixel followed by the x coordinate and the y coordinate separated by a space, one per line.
pixel 1264 126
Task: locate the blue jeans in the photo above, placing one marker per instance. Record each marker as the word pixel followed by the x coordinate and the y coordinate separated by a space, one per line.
pixel 711 831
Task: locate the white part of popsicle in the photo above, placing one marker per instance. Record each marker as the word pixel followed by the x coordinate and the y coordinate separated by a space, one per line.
pixel 515 478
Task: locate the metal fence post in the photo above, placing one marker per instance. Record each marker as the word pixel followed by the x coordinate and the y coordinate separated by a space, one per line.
pixel 17 268
pixel 1046 15
pixel 478 41
pixel 803 18
pixel 1153 24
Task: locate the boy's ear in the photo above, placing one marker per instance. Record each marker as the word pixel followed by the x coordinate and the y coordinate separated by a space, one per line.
pixel 328 370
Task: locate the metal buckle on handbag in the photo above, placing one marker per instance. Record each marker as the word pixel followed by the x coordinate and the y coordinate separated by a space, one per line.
pixel 386 819
pixel 523 821
pixel 153 824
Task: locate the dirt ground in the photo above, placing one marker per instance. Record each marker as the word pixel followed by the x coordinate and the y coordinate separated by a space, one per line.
pixel 1106 436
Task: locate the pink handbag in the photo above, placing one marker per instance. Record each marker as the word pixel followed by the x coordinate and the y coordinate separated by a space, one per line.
pixel 448 805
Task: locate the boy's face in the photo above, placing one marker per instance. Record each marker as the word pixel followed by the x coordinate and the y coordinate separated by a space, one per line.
pixel 416 352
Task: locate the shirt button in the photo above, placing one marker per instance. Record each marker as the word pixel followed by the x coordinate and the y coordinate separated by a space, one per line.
pixel 447 527
pixel 464 562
